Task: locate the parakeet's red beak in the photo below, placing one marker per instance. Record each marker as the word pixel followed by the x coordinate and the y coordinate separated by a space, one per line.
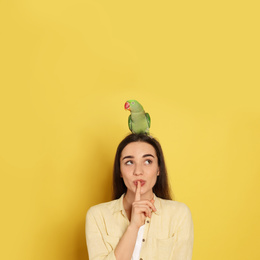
pixel 127 106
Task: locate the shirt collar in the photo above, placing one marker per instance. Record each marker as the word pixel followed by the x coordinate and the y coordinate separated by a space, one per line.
pixel 120 207
pixel 157 205
pixel 119 204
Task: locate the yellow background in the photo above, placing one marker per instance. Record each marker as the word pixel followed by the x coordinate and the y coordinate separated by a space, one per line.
pixel 66 69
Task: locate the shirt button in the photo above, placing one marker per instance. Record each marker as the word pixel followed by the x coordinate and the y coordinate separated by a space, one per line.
pixel 147 221
pixel 141 258
pixel 143 240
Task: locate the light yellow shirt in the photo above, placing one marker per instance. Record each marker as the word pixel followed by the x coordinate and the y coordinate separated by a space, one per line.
pixel 168 234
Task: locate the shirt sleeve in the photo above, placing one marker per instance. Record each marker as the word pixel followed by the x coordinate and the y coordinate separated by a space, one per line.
pixel 97 249
pixel 185 236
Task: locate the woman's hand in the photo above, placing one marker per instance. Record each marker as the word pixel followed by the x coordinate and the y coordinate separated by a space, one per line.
pixel 140 208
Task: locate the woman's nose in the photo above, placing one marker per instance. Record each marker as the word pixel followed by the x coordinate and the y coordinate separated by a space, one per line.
pixel 138 170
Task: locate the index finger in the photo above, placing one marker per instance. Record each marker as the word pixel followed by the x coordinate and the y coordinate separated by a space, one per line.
pixel 138 191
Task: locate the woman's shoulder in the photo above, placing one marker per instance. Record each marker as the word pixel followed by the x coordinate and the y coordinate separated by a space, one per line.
pixel 173 206
pixel 172 203
pixel 103 207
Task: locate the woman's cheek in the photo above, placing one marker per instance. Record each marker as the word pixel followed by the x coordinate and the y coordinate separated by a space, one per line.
pixel 154 181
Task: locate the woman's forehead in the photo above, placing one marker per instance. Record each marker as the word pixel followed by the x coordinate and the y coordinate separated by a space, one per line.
pixel 138 148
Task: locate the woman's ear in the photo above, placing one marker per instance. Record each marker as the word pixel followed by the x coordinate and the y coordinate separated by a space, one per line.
pixel 158 173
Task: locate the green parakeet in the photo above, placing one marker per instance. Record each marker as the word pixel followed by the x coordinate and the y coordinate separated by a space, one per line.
pixel 138 121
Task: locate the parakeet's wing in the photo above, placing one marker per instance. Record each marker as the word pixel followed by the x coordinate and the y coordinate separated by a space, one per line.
pixel 148 119
pixel 130 123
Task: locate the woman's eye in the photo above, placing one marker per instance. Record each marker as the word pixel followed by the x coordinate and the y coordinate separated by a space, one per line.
pixel 129 163
pixel 148 161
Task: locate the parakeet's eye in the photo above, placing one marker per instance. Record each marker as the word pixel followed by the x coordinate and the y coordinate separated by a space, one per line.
pixel 132 102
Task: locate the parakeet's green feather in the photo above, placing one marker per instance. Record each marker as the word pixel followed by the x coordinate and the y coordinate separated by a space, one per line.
pixel 138 121
pixel 148 119
pixel 130 123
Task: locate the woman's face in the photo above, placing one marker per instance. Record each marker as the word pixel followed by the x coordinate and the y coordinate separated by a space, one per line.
pixel 138 162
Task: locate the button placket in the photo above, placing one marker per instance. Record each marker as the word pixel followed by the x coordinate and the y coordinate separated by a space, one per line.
pixel 146 228
pixel 147 225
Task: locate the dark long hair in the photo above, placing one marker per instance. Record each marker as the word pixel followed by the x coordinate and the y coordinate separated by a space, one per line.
pixel 161 188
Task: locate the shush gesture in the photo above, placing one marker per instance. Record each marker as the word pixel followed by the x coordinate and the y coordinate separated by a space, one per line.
pixel 141 208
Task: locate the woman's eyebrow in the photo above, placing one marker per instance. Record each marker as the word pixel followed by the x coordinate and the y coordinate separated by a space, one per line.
pixel 128 156
pixel 147 155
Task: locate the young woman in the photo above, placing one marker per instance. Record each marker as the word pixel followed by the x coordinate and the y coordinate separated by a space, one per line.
pixel 142 222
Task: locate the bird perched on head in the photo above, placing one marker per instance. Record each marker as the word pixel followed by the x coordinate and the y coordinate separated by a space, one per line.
pixel 138 121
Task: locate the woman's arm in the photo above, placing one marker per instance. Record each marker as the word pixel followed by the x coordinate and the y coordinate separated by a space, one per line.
pixel 140 210
pixel 184 244
pixel 97 249
pixel 126 244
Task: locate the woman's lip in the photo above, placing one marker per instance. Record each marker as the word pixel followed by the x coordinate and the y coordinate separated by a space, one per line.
pixel 141 181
